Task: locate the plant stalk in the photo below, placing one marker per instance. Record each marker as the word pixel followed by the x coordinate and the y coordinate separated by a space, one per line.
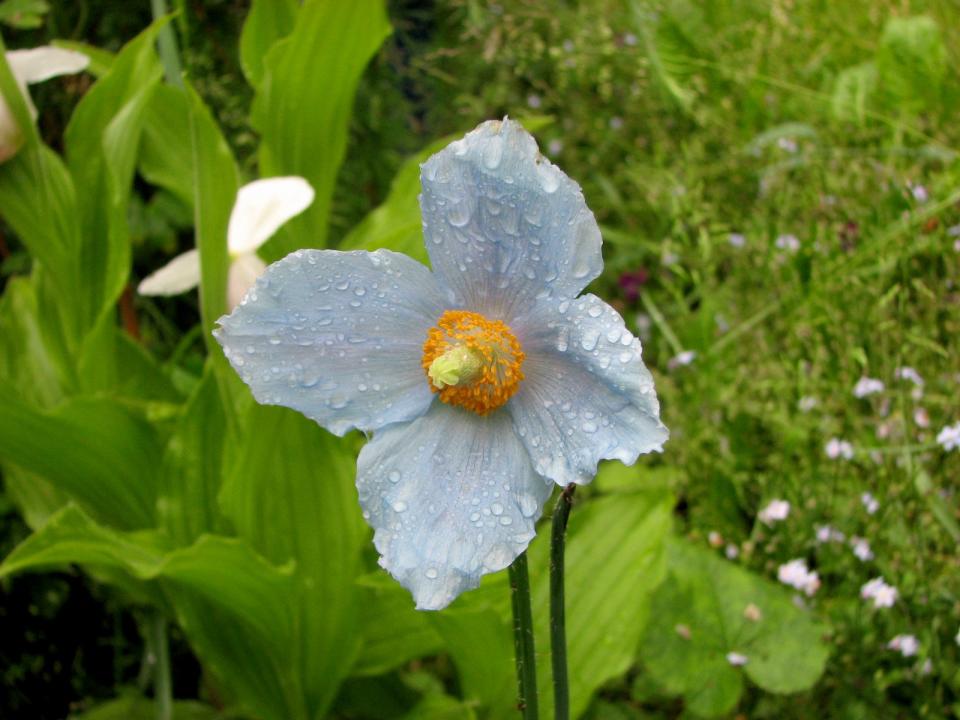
pixel 167 45
pixel 159 647
pixel 523 638
pixel 558 630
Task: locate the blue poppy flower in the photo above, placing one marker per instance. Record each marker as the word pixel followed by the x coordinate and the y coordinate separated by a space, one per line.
pixel 483 383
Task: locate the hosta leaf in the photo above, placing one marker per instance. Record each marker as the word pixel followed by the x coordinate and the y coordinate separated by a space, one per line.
pixel 303 106
pixel 614 562
pixel 101 146
pixel 94 450
pixel 702 616
pixel 267 22
pixel 290 493
pixel 166 152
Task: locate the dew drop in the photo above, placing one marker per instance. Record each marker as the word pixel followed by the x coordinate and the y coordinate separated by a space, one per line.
pixel 399 506
pixel 595 311
pixel 590 339
pixel 493 152
pixel 431 573
pixel 459 214
pixel 496 509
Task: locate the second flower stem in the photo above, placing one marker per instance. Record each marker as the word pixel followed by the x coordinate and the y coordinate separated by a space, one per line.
pixel 523 638
pixel 558 632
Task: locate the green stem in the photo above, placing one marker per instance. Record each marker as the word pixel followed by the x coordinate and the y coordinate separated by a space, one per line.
pixel 558 631
pixel 558 619
pixel 159 648
pixel 523 638
pixel 167 44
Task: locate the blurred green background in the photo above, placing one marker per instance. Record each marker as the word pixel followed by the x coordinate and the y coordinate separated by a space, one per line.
pixel 777 183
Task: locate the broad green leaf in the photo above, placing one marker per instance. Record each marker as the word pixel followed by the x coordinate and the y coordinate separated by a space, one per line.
pixel 94 450
pixel 614 563
pixel 192 466
pixel 101 144
pixel 267 22
pixel 215 184
pixel 702 616
pixel 911 63
pixel 480 641
pixel 17 104
pixel 290 493
pixel 302 108
pixel 233 606
pixel 853 91
pixel 23 14
pixel 393 631
pixel 166 152
pixel 24 357
pixel 137 707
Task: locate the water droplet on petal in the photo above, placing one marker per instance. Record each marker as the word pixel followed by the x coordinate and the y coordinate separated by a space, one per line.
pixel 399 506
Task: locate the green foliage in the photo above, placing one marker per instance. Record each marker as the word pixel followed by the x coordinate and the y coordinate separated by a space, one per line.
pixel 145 461
pixel 708 608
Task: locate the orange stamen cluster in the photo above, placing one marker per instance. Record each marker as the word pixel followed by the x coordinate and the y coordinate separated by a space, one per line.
pixel 491 340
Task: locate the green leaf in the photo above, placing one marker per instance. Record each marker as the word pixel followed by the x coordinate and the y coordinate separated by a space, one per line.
pixel 193 466
pixel 23 14
pixel 702 615
pixel 214 584
pixel 166 152
pixel 137 707
pixel 101 144
pixel 302 108
pixel 393 631
pixel 853 91
pixel 215 184
pixel 290 493
pixel 94 450
pixel 267 22
pixel 614 563
pixel 912 63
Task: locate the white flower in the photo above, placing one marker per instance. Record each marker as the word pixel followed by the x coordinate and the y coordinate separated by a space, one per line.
pixel 919 193
pixel 28 67
pixel 736 659
pixel 731 551
pixel 534 101
pixel 682 359
pixel 806 403
pixel 870 503
pixel 630 39
pixel 737 240
pixel 555 147
pixel 837 448
pixel 906 644
pixel 616 123
pixel 867 386
pixel 260 209
pixel 908 373
pixel 715 539
pixel 796 574
pixel 861 548
pixel 883 595
pixel 921 417
pixel 775 511
pixel 826 533
pixel 949 437
pixel 788 242
pixel 752 613
pixel 787 144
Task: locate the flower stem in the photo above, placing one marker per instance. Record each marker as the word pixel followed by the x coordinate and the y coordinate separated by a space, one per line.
pixel 523 638
pixel 159 648
pixel 558 631
pixel 167 43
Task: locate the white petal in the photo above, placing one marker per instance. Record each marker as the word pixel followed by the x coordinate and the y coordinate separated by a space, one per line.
pixel 42 63
pixel 503 225
pixel 177 276
pixel 262 207
pixel 586 395
pixel 244 271
pixel 338 336
pixel 451 497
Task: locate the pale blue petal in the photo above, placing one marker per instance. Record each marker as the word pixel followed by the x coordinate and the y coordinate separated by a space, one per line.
pixel 503 225
pixel 586 395
pixel 338 336
pixel 451 496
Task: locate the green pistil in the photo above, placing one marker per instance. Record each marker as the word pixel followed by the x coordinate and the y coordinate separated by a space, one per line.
pixel 457 365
